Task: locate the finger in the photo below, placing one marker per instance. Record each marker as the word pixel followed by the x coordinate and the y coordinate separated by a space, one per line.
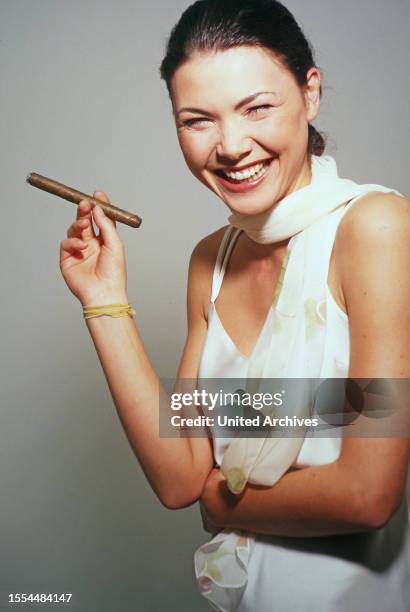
pixel 71 246
pixel 83 230
pixel 106 227
pixel 79 229
pixel 84 209
pixel 101 195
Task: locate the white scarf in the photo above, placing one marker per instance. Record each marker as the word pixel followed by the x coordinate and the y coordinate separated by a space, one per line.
pixel 295 351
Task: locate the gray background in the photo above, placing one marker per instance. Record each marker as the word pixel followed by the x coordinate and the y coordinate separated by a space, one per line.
pixel 82 102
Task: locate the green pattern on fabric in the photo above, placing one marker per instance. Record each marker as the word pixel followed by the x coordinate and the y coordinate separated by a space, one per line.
pixel 312 319
pixel 211 568
pixel 280 280
pixel 277 325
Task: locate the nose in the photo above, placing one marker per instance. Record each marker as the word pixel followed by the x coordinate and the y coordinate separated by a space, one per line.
pixel 233 143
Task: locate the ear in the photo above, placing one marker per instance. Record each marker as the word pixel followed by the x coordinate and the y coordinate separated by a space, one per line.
pixel 312 92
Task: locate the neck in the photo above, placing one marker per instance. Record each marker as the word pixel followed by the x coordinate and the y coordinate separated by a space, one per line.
pixel 304 177
pixel 276 250
pixel 273 252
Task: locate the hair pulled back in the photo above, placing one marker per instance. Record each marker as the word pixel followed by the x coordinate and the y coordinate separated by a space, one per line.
pixel 217 25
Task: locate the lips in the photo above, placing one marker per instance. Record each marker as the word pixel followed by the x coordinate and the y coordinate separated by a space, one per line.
pixel 220 171
pixel 244 185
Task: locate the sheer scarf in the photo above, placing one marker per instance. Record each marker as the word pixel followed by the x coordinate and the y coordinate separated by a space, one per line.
pixel 295 350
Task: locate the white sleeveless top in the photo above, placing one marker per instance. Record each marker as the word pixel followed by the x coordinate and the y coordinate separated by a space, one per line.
pixel 366 572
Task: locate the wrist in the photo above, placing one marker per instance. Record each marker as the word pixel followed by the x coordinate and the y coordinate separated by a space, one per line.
pixel 111 310
pixel 105 298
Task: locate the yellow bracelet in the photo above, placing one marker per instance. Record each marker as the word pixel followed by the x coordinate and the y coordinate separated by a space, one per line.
pixel 112 310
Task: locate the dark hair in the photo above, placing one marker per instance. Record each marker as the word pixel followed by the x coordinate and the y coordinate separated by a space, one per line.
pixel 216 25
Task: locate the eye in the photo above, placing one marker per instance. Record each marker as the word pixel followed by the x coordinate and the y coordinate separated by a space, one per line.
pixel 200 122
pixel 258 110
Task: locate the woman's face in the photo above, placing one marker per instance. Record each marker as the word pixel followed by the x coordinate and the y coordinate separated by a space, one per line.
pixel 241 111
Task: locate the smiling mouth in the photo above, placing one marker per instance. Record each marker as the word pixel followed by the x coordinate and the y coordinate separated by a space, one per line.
pixel 250 174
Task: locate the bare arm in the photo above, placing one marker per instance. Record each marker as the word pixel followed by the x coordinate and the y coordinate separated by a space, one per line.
pixel 363 488
pixel 176 468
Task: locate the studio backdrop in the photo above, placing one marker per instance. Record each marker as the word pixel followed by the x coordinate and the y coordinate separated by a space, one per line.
pixel 82 102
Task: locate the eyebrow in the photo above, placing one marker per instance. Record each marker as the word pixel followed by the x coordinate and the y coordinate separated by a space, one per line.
pixel 246 100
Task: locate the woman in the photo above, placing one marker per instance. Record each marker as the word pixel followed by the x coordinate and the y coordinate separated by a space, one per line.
pixel 332 533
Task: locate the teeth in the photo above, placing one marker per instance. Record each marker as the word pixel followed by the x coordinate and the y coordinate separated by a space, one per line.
pixel 254 172
pixel 239 176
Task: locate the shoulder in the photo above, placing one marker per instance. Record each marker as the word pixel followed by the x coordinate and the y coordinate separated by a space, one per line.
pixel 376 222
pixel 373 254
pixel 373 215
pixel 203 256
pixel 201 267
pixel 372 251
pixel 206 250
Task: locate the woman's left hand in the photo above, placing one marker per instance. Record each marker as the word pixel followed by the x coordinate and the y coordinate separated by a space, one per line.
pixel 215 502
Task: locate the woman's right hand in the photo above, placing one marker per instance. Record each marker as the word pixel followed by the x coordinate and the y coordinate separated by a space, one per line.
pixel 93 266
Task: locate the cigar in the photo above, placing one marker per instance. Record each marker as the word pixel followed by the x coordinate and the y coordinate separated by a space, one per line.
pixel 72 195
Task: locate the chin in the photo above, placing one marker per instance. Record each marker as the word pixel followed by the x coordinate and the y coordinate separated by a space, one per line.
pixel 235 205
pixel 249 209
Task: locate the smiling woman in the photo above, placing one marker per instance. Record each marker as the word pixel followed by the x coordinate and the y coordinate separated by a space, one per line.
pixel 292 293
pixel 293 287
pixel 252 134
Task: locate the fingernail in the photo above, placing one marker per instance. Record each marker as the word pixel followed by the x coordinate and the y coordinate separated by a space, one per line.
pixel 98 209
